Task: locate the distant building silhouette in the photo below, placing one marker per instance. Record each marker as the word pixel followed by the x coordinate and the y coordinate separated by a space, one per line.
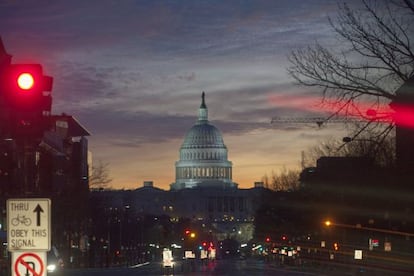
pixel 203 192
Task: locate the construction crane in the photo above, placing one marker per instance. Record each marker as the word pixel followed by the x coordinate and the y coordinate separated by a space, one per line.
pixel 371 116
pixel 319 121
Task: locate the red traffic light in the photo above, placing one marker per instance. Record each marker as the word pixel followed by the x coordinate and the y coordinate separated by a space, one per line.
pixel 23 87
pixel 23 78
pixel 25 81
pixel 267 239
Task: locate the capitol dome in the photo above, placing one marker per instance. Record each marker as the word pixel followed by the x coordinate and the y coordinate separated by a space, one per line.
pixel 203 156
pixel 203 135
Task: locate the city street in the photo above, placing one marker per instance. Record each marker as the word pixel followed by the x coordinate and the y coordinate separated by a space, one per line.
pixel 235 266
pixel 220 267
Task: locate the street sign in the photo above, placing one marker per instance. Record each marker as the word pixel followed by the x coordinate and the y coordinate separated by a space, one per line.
pixel 212 254
pixel 29 264
pixel 28 224
pixel 358 254
pixel 387 246
pixel 167 258
pixel 203 254
pixel 189 254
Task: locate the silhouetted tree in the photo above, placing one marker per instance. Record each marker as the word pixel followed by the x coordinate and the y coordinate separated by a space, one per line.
pixel 382 152
pixel 375 56
pixel 99 178
pixel 285 180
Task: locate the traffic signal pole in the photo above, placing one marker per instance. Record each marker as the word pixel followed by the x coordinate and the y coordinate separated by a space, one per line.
pixel 27 167
pixel 25 106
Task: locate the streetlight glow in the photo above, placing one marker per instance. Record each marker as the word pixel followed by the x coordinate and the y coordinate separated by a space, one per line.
pixel 360 227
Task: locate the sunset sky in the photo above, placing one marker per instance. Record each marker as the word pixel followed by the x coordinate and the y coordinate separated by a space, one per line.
pixel 132 72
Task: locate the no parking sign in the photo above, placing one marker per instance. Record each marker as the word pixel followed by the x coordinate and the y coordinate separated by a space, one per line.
pixel 29 263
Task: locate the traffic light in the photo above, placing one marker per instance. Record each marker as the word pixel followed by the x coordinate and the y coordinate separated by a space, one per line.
pixel 267 239
pixel 203 246
pixel 24 87
pixel 26 99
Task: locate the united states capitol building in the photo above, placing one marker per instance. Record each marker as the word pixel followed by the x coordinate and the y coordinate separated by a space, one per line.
pixel 203 157
pixel 203 191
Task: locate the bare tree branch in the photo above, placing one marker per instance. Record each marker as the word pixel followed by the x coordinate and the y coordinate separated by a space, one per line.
pixel 99 179
pixel 376 59
pixel 286 180
pixel 375 145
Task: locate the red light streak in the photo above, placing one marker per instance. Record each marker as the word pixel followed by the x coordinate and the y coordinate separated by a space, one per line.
pixel 403 115
pixel 400 115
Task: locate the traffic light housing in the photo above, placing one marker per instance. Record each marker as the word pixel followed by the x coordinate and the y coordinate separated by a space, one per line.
pixel 25 99
pixel 24 87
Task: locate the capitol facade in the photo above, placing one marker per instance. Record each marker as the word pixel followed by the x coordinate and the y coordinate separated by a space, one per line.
pixel 203 156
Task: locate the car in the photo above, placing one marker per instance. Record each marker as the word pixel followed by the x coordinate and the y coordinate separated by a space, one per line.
pixel 55 263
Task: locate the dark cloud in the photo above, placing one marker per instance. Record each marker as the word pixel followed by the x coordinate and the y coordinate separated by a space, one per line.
pixel 135 129
pixel 195 27
pixel 132 71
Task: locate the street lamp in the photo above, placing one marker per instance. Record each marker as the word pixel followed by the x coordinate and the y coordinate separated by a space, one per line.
pixel 371 141
pixel 370 147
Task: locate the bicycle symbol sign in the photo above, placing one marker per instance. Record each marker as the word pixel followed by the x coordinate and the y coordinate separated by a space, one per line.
pixel 21 220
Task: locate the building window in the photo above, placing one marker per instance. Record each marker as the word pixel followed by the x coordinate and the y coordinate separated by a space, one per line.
pixel 211 204
pixel 241 204
pixel 231 204
pixel 226 204
pixel 219 204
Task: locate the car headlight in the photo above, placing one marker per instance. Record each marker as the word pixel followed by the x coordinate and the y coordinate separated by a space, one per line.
pixel 51 268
